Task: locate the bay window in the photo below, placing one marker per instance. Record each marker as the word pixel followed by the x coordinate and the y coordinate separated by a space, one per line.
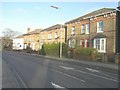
pixel 100 44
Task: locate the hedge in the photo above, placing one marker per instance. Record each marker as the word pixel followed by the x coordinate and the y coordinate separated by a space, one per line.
pixel 85 53
pixel 53 49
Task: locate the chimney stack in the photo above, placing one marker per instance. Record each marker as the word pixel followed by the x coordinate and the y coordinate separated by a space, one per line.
pixel 28 30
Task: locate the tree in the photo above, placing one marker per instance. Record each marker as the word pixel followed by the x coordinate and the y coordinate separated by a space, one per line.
pixel 8 35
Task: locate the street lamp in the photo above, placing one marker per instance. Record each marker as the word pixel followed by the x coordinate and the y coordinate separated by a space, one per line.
pixel 60 56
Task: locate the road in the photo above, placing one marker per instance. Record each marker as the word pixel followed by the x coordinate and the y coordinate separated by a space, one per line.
pixel 20 70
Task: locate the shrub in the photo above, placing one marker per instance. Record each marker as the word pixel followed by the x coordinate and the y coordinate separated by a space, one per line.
pixel 42 51
pixel 85 53
pixel 50 49
pixel 28 49
pixel 53 49
pixel 65 50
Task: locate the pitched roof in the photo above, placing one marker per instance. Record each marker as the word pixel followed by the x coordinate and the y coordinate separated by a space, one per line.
pixel 57 26
pixel 36 31
pixel 94 13
pixel 20 36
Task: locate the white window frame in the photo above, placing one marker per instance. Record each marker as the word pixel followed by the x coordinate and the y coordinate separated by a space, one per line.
pixel 56 35
pixel 87 29
pixel 83 29
pixel 43 36
pixel 69 43
pixel 48 36
pixel 73 30
pixel 100 45
pixel 99 27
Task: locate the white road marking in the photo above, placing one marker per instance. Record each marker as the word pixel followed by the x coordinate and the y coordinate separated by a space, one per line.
pixel 67 68
pixel 56 86
pixel 92 70
pixel 14 70
pixel 107 75
pixel 69 75
pixel 100 72
pixel 96 75
pixel 20 79
pixel 112 74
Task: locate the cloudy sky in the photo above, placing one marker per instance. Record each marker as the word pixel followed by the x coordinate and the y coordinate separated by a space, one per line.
pixel 18 16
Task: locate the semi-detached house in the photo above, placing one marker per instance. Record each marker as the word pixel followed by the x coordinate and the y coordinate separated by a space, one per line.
pixel 53 34
pixel 96 29
pixel 31 39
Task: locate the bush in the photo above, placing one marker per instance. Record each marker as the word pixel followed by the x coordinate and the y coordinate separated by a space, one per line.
pixel 54 49
pixel 65 50
pixel 50 49
pixel 42 51
pixel 85 53
pixel 28 49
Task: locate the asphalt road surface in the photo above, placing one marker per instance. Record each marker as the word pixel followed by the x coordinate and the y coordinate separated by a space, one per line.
pixel 20 70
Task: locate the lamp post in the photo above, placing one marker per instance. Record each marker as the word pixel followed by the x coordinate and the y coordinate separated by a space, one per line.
pixel 60 56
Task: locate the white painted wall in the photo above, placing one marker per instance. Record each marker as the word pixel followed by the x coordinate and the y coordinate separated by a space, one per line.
pixel 18 44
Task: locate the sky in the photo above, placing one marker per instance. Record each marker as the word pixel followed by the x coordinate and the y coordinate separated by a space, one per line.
pixel 18 16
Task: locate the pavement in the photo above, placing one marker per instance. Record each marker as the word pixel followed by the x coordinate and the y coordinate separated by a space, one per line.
pixel 36 71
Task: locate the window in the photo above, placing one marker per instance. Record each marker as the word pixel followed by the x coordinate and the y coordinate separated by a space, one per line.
pixel 87 29
pixel 99 26
pixel 56 35
pixel 100 44
pixel 50 36
pixel 43 36
pixel 83 29
pixel 73 30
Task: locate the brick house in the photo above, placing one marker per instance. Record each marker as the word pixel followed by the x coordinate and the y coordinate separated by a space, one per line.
pixel 96 29
pixel 31 38
pixel 52 34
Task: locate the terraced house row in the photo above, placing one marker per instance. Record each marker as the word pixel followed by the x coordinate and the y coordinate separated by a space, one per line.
pixel 96 29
